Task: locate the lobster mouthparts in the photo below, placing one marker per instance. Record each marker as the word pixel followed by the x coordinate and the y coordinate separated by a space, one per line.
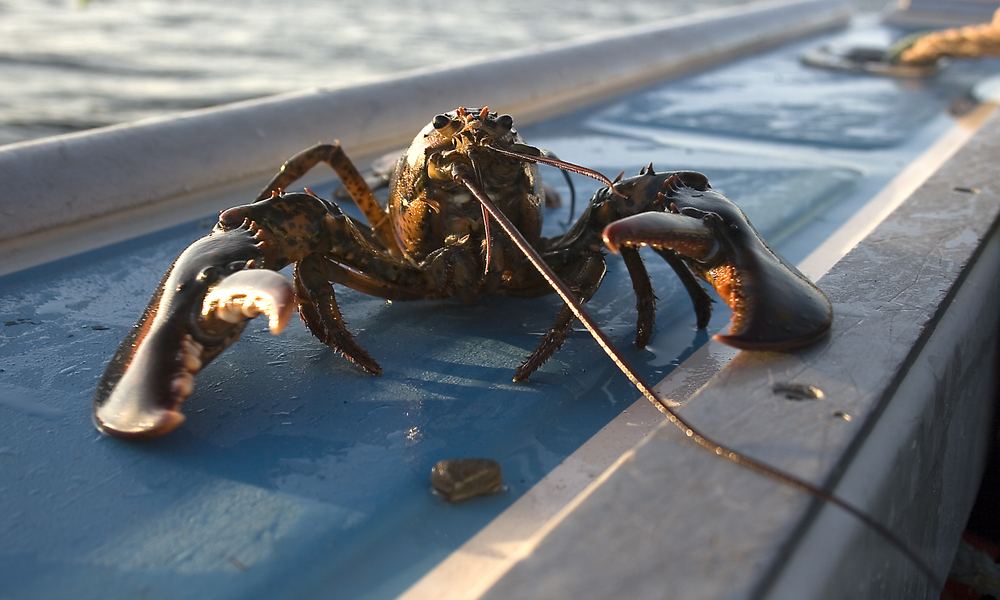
pixel 775 307
pixel 200 307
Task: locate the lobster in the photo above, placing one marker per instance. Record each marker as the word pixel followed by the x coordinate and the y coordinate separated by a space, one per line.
pixel 432 240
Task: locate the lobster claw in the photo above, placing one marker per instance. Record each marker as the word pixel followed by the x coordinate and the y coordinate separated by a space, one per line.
pixel 200 307
pixel 775 307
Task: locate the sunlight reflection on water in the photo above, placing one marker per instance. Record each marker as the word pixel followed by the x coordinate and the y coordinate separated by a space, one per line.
pixel 70 66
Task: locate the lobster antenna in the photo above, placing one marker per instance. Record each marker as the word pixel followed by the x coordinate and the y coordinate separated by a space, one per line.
pixel 486 221
pixel 560 164
pixel 663 405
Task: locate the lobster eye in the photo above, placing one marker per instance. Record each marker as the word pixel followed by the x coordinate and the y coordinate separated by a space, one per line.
pixel 505 122
pixel 440 122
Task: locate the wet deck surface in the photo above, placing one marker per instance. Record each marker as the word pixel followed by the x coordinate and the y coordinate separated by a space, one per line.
pixel 295 474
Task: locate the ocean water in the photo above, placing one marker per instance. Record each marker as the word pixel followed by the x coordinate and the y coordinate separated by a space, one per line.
pixel 69 65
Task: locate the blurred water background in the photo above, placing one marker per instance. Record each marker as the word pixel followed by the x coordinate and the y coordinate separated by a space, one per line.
pixel 69 65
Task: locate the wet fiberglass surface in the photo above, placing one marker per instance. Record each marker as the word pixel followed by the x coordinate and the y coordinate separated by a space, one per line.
pixel 297 475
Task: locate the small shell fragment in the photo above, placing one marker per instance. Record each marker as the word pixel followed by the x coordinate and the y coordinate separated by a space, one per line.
pixel 465 478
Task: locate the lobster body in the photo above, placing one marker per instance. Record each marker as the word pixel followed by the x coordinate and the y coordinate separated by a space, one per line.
pixel 434 240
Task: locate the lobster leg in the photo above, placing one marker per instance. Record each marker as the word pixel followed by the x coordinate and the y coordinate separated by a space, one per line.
pixel 352 180
pixel 585 280
pixel 699 297
pixel 318 309
pixel 645 298
pixel 371 274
